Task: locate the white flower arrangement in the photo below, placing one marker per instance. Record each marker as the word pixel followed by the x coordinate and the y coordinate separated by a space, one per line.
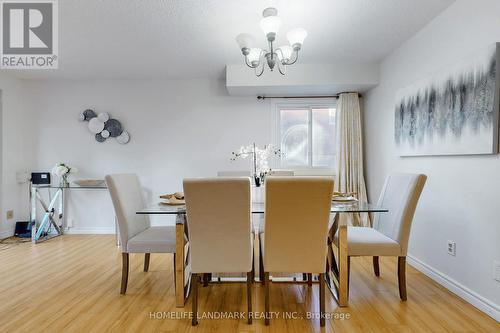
pixel 260 159
pixel 62 170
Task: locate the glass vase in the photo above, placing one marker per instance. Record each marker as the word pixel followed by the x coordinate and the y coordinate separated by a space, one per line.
pixel 257 180
pixel 64 181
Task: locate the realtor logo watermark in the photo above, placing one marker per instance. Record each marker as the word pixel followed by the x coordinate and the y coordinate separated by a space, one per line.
pixel 29 36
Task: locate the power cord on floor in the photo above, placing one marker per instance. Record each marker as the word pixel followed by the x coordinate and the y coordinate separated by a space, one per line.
pixel 8 242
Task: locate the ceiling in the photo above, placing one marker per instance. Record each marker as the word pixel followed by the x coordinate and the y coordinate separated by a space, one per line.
pixel 195 38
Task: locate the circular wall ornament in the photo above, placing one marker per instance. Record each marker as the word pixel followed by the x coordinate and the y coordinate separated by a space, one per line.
pixel 114 127
pixel 123 138
pixel 105 134
pixel 104 117
pixel 99 138
pixel 88 114
pixel 95 125
pixel 104 127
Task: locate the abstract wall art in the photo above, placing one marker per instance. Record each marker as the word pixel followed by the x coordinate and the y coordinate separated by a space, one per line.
pixel 454 112
pixel 104 127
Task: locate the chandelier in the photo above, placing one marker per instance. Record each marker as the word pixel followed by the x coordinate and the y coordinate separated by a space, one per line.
pixel 281 57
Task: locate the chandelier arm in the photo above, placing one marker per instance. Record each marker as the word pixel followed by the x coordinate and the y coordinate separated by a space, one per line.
pixel 282 56
pixel 260 64
pixel 296 58
pixel 281 68
pixel 248 64
pixel 261 71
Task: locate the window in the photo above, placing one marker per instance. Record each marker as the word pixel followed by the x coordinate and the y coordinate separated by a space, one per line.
pixel 306 136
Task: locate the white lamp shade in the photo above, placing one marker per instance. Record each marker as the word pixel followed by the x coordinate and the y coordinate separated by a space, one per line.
pixel 270 24
pixel 245 40
pixel 296 36
pixel 254 54
pixel 286 52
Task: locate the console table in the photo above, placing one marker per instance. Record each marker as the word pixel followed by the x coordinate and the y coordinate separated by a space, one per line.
pixel 52 217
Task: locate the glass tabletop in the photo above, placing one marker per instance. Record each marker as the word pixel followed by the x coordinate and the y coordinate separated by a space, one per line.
pixel 258 208
pixel 72 186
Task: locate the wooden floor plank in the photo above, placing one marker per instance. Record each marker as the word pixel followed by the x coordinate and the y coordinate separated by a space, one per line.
pixel 71 284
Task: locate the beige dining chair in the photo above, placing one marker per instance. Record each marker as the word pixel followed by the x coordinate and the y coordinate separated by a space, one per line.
pixel 391 231
pixel 220 232
pixel 274 173
pixel 136 233
pixel 260 220
pixel 297 211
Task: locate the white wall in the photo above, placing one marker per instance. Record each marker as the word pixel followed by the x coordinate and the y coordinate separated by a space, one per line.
pixel 16 143
pixel 462 196
pixel 178 129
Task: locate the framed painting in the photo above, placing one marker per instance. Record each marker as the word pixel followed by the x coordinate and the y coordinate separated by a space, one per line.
pixel 454 112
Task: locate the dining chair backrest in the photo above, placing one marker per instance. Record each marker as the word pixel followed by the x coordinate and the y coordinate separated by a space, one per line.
pixel 281 172
pixel 126 195
pixel 237 173
pixel 400 196
pixel 297 212
pixel 219 227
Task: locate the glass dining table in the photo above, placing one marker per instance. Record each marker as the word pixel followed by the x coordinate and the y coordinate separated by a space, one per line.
pixel 337 258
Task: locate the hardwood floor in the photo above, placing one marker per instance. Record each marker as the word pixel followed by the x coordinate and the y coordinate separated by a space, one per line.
pixel 72 284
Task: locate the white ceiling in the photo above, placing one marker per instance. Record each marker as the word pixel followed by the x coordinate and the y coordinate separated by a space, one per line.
pixel 195 38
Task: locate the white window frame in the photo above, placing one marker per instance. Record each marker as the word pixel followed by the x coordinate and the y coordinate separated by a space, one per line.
pixel 302 104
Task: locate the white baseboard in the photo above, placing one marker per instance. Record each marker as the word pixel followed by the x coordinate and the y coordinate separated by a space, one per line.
pixel 486 306
pixel 71 231
pixel 6 233
pixel 90 231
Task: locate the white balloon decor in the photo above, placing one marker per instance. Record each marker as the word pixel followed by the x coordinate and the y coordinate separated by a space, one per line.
pixel 123 138
pixel 105 134
pixel 104 117
pixel 104 127
pixel 96 125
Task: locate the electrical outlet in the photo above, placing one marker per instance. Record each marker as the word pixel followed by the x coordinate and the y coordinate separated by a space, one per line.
pixel 452 248
pixel 496 270
pixel 10 214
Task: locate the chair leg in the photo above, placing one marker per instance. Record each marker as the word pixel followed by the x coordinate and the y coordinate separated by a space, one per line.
pixel 402 277
pixel 322 299
pixel 207 277
pixel 304 277
pixel 194 320
pixel 146 261
pixel 253 271
pixel 348 273
pixel 309 279
pixel 175 280
pixel 266 301
pixel 124 273
pixel 261 264
pixel 376 267
pixel 249 296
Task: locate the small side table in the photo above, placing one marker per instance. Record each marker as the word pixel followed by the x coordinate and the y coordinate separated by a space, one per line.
pixel 40 231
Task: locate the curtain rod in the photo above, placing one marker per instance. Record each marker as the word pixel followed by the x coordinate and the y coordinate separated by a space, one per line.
pixel 301 97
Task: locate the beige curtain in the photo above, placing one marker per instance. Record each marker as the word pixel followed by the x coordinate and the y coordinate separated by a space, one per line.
pixel 349 173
